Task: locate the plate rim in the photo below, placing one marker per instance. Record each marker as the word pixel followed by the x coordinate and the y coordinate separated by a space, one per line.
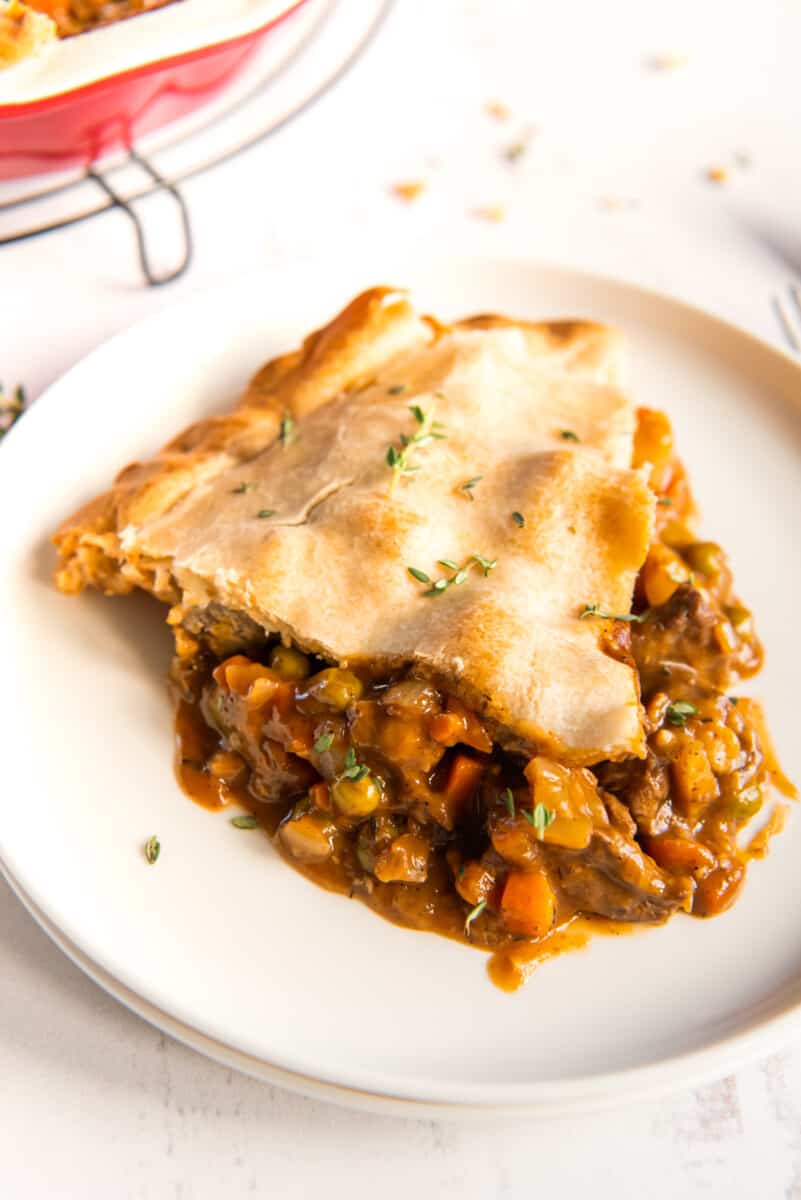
pixel 545 1097
pixel 609 1091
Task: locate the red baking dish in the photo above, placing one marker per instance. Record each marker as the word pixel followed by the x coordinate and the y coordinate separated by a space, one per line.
pixel 101 91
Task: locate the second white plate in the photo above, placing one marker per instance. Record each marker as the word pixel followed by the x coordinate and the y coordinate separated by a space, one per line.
pixel 224 944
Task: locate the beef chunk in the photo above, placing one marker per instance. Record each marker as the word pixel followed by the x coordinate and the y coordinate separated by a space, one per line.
pixel 223 630
pixel 615 878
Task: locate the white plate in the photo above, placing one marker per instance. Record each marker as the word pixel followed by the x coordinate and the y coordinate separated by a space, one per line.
pixel 221 942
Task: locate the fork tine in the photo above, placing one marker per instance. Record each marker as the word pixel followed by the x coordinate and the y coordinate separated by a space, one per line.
pixel 795 292
pixel 785 320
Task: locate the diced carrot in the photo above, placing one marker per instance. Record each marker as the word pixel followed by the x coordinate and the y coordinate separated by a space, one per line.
pixel 474 734
pixel 320 796
pixel 718 891
pixel 459 725
pixel 680 856
pixel 220 672
pixel 527 903
pixel 463 780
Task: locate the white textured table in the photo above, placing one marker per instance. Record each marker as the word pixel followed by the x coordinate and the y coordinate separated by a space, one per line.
pixel 93 1102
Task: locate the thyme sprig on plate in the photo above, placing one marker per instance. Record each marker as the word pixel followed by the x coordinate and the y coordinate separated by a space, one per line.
pixel 11 407
pixel 152 850
pixel 435 587
pixel 247 821
pixel 400 460
pixel 594 610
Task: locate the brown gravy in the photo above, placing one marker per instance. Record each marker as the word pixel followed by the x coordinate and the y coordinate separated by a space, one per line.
pixel 431 907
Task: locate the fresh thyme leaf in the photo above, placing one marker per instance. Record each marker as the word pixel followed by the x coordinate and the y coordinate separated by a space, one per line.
pixel 439 586
pixel 735 700
pixel 540 817
pixel 473 915
pixel 665 501
pixel 246 822
pixel 543 817
pixel 324 742
pixel 509 801
pixel 518 519
pixel 396 389
pixel 515 151
pixel 286 432
pixel 353 768
pixel 594 610
pixel 568 435
pixel 468 486
pixel 242 488
pixel 264 513
pixel 678 711
pixel 152 850
pixel 399 461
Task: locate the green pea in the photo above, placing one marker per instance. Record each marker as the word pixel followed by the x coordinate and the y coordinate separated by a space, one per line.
pixel 336 687
pixel 356 797
pixel 288 663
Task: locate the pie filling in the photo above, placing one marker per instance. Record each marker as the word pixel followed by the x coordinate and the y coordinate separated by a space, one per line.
pixel 384 786
pixel 78 16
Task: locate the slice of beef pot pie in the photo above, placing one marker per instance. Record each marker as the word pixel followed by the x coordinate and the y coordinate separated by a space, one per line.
pixel 443 626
